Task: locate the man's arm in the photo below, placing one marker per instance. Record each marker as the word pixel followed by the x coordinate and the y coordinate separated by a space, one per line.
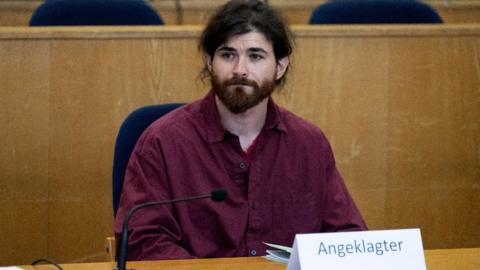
pixel 154 233
pixel 342 213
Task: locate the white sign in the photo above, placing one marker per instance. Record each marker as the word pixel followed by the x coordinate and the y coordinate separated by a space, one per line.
pixel 364 250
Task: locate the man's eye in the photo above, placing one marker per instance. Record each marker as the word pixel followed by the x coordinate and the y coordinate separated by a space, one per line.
pixel 256 56
pixel 227 55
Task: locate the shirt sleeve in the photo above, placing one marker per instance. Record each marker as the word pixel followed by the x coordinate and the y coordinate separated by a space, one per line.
pixel 154 232
pixel 342 213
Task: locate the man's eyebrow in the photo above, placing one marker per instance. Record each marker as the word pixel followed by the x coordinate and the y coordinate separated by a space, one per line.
pixel 225 48
pixel 253 49
pixel 257 49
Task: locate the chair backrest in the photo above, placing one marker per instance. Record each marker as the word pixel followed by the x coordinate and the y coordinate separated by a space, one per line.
pixel 94 12
pixel 374 11
pixel 128 134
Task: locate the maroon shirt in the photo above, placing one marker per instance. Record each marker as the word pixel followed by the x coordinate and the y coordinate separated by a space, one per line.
pixel 290 186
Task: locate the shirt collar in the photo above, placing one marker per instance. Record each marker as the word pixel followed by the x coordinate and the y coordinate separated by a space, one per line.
pixel 214 128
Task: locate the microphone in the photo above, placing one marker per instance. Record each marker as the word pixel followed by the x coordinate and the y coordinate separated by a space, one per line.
pixel 217 195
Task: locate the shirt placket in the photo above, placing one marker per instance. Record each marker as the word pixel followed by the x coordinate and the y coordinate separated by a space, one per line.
pixel 254 237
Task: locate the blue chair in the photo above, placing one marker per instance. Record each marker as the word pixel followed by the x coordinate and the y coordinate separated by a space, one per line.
pixel 130 130
pixel 374 12
pixel 94 12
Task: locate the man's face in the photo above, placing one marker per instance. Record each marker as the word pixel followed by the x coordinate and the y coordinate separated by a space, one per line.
pixel 244 71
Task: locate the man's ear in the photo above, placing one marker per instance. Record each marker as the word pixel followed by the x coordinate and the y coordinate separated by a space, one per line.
pixel 282 66
pixel 209 62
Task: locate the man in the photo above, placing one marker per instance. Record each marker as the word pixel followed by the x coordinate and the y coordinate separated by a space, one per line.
pixel 279 170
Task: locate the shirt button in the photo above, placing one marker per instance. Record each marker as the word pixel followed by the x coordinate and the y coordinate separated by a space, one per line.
pixel 242 165
pixel 253 252
pixel 254 205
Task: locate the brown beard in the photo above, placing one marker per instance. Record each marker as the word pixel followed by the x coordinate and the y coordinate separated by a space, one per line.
pixel 236 100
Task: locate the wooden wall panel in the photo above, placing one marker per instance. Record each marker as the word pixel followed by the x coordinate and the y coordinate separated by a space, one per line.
pixel 24 135
pixel 16 12
pixel 434 154
pixel 467 11
pixel 400 105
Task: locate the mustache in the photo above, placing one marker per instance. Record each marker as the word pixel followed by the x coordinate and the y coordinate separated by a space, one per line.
pixel 239 80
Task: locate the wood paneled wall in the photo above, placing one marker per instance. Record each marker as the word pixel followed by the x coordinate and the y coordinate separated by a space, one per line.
pixel 18 12
pixel 400 105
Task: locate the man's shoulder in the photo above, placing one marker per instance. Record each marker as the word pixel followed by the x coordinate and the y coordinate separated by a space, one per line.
pixel 175 124
pixel 300 126
pixel 307 137
pixel 187 116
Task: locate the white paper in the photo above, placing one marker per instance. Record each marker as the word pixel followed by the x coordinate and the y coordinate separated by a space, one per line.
pixel 278 256
pixel 281 254
pixel 280 247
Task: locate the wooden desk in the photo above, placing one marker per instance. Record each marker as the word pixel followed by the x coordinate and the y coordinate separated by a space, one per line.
pixel 441 259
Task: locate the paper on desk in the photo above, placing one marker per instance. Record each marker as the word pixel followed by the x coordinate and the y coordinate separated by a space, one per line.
pixel 10 268
pixel 280 254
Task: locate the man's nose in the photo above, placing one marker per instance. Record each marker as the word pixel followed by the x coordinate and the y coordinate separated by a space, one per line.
pixel 240 68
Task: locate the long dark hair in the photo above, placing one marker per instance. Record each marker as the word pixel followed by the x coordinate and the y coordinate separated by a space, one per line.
pixel 243 16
